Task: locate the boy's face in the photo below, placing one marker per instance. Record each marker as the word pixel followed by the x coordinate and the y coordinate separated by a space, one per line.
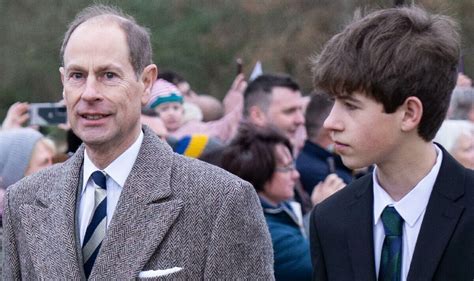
pixel 171 113
pixel 363 133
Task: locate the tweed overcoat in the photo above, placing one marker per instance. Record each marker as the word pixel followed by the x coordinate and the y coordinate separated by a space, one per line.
pixel 173 212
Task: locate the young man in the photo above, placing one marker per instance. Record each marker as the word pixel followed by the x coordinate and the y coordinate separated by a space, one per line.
pixel 391 74
pixel 124 205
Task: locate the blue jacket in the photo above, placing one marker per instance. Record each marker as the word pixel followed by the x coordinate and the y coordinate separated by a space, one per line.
pixel 312 164
pixel 292 259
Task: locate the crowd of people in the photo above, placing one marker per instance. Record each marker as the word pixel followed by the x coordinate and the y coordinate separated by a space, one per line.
pixel 122 202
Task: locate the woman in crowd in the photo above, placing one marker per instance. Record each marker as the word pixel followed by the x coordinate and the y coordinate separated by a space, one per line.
pixel 262 156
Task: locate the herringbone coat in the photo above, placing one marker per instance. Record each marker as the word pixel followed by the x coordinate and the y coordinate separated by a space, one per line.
pixel 173 212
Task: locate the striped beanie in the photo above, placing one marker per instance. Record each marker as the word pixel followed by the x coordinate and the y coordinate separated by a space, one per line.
pixel 163 92
pixel 196 145
pixel 16 148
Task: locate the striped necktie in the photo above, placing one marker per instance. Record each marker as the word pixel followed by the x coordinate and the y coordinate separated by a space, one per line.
pixel 391 259
pixel 97 227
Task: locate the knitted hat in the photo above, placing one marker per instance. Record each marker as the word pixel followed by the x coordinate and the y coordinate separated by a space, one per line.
pixel 196 145
pixel 16 148
pixel 163 92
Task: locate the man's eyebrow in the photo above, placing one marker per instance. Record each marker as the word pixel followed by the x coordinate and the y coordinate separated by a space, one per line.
pixel 101 68
pixel 110 66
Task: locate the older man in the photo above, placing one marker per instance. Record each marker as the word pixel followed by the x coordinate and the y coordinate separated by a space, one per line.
pixel 124 206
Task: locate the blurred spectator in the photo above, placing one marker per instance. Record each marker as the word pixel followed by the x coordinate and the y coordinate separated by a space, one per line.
pixel 316 160
pixel 457 137
pixel 192 110
pixel 181 83
pixel 262 156
pixel 211 108
pixel 461 106
pixel 151 119
pixel 276 100
pixel 463 81
pixel 23 152
pixel 168 102
pixel 17 115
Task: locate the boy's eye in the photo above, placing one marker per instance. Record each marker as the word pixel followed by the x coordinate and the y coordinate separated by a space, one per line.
pixel 350 106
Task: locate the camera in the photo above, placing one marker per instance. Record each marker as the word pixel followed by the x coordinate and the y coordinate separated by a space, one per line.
pixel 44 114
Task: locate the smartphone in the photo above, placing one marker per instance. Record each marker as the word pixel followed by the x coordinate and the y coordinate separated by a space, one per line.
pixel 239 65
pixel 44 114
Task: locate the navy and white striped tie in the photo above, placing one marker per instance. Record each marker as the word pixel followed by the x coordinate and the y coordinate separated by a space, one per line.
pixel 97 227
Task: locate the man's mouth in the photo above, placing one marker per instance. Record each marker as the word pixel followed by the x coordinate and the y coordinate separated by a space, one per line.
pixel 93 116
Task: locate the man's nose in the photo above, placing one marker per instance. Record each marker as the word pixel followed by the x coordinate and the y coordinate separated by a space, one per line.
pixel 91 91
pixel 299 117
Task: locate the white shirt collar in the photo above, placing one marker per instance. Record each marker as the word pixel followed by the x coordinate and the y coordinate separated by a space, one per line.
pixel 412 205
pixel 119 169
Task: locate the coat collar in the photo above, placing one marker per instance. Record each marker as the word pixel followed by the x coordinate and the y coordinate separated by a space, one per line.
pixel 144 213
pixel 442 215
pixel 359 230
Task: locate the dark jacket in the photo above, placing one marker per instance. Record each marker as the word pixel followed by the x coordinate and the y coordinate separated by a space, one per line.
pixel 313 165
pixel 290 245
pixel 342 226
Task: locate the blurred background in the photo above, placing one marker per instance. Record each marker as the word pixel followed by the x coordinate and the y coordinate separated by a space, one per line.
pixel 200 39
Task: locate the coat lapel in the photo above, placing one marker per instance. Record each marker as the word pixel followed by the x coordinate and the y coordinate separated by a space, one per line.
pixel 441 217
pixel 145 212
pixel 49 224
pixel 359 231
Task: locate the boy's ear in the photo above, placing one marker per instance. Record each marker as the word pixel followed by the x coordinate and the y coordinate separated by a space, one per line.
pixel 412 113
pixel 257 116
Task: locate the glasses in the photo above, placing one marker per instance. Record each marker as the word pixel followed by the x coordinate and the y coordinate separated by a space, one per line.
pixel 286 169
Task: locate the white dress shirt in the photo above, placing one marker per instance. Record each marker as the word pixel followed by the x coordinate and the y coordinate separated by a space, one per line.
pixel 411 208
pixel 117 173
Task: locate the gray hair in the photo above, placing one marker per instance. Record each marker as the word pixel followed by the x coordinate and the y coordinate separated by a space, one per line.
pixel 138 37
pixel 462 102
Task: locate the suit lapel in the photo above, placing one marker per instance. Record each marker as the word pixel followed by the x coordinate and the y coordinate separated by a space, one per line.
pixel 143 216
pixel 49 224
pixel 359 231
pixel 439 222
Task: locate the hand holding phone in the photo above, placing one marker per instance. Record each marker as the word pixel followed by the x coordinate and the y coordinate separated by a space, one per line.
pixel 44 114
pixel 239 65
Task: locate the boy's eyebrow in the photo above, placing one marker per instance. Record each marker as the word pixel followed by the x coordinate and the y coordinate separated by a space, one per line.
pixel 350 98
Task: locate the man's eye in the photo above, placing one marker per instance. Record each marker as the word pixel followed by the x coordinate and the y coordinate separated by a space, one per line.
pixel 76 75
pixel 110 75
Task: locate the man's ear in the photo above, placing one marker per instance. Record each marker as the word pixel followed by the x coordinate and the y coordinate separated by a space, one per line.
pixel 148 78
pixel 61 71
pixel 412 113
pixel 257 116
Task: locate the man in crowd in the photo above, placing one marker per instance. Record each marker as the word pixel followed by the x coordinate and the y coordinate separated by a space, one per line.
pixel 124 206
pixel 276 100
pixel 316 160
pixel 391 74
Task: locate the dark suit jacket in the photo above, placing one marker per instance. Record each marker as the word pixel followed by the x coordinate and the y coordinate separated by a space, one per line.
pixel 341 231
pixel 173 212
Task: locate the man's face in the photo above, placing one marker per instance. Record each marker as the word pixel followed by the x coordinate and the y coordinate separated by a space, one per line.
pixel 286 111
pixel 363 133
pixel 101 91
